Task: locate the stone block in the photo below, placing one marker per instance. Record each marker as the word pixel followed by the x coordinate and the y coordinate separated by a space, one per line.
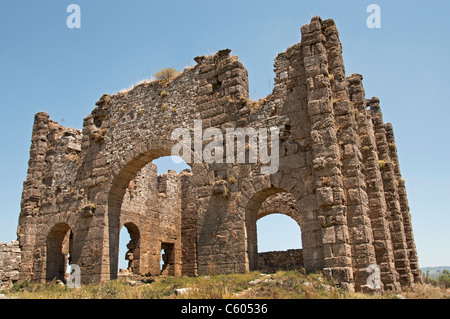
pixel 324 196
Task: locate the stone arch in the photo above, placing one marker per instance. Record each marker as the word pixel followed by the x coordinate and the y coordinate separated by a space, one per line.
pixel 280 203
pixel 59 244
pixel 50 242
pixel 251 216
pixel 303 211
pixel 123 172
pixel 283 204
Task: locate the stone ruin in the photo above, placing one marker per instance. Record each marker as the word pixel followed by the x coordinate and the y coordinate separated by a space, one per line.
pixel 10 258
pixel 338 178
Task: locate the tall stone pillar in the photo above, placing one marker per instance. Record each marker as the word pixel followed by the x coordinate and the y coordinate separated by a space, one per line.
pixel 392 197
pixel 31 195
pixel 377 202
pixel 222 90
pixel 188 225
pixel 329 180
pixel 355 194
pixel 404 206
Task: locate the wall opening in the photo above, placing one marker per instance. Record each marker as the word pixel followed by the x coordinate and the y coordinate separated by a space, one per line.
pixel 279 243
pixel 137 198
pixel 284 214
pixel 129 249
pixel 124 239
pixel 58 252
pixel 278 232
pixel 167 259
pixel 166 163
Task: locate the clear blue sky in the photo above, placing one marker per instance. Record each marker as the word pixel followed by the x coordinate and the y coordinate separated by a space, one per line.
pixel 45 66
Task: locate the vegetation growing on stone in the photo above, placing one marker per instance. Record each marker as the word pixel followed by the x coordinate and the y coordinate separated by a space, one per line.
pixel 165 74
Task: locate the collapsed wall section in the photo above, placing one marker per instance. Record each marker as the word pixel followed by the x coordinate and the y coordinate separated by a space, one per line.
pixel 364 222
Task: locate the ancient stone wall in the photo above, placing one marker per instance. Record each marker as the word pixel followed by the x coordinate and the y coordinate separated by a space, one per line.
pixel 273 261
pixel 337 163
pixel 10 257
pixel 151 211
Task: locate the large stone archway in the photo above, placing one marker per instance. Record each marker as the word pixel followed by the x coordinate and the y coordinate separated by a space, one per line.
pixel 332 142
pixel 135 162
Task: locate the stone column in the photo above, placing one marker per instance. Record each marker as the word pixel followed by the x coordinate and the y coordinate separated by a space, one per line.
pixel 355 194
pixel 96 239
pixel 329 179
pixel 31 195
pixel 188 225
pixel 404 206
pixel 392 197
pixel 377 202
pixel 290 88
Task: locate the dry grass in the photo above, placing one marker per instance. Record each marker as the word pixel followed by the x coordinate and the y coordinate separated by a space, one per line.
pixel 427 292
pixel 162 77
pixel 99 135
pixel 165 74
pixel 132 86
pixel 253 285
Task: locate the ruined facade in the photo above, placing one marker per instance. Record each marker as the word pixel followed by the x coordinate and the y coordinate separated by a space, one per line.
pixel 338 176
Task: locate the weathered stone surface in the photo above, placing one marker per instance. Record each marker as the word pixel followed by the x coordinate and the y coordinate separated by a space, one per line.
pixel 272 261
pixel 10 258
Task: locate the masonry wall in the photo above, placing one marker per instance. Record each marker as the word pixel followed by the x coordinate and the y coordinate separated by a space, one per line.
pixel 10 257
pixel 152 208
pixel 273 261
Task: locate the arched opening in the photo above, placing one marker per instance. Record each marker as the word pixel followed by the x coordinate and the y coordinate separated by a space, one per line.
pixel 58 252
pixel 166 163
pixel 124 239
pixel 278 232
pixel 279 243
pixel 167 259
pixel 129 249
pixel 272 202
pixel 150 200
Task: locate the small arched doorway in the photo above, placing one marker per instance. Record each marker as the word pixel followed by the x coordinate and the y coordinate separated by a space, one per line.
pixel 273 201
pixel 130 248
pixel 279 243
pixel 58 252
